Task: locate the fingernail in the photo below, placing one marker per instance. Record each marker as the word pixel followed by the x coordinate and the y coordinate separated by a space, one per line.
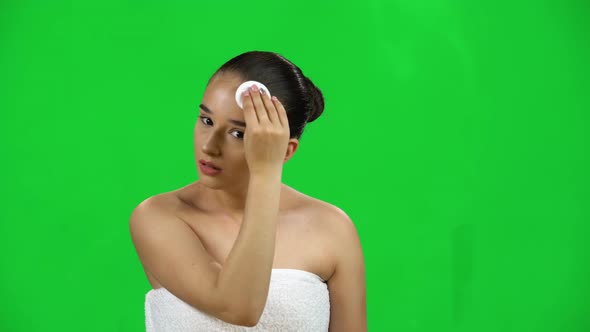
pixel 254 88
pixel 246 93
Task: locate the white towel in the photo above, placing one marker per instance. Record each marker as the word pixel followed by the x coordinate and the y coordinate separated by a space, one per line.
pixel 297 300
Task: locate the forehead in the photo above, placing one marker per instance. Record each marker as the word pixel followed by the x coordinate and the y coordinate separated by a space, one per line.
pixel 219 96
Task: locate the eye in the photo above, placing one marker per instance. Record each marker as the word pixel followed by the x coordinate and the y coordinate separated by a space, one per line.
pixel 203 117
pixel 235 131
pixel 241 134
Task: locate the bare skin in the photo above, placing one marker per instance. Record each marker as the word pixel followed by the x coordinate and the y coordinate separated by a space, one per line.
pixel 302 241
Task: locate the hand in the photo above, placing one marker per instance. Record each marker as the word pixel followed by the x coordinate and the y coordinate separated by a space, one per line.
pixel 267 132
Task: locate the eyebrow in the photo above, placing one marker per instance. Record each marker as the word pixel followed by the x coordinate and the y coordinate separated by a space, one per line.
pixel 236 122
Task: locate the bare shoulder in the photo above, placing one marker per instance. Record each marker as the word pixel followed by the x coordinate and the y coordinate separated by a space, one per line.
pixel 337 229
pixel 150 216
pixel 347 284
pixel 158 201
pixel 341 232
pixel 333 219
pixel 157 206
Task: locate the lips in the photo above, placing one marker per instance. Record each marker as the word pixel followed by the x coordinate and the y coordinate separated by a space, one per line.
pixel 209 164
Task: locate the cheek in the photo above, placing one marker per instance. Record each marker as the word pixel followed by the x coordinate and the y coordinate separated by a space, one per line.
pixel 237 160
pixel 198 135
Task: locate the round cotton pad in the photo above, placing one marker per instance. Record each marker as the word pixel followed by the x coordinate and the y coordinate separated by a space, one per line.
pixel 245 86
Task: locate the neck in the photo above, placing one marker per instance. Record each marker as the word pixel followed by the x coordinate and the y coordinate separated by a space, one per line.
pixel 228 202
pixel 222 202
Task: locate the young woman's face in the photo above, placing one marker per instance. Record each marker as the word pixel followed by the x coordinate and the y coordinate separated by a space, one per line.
pixel 219 133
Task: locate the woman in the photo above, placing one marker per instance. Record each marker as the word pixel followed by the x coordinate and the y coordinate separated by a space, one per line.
pixel 238 249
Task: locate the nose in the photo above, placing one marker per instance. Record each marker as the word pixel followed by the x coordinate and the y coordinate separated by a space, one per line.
pixel 210 146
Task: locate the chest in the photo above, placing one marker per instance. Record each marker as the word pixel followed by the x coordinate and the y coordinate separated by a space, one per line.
pixel 299 242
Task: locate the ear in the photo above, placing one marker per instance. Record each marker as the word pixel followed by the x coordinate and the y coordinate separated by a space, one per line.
pixel 291 148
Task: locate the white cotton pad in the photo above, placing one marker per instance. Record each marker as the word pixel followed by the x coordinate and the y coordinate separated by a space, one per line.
pixel 245 86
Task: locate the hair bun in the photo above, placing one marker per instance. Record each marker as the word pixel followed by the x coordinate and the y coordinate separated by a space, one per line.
pixel 317 100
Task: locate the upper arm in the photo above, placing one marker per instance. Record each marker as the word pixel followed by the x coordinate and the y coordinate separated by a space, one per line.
pixel 348 305
pixel 170 250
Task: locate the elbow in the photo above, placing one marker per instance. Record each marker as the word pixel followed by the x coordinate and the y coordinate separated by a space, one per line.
pixel 253 319
pixel 248 320
pixel 251 322
pixel 243 311
pixel 244 316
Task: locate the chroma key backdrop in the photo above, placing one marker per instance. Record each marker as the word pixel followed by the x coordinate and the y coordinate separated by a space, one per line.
pixel 455 136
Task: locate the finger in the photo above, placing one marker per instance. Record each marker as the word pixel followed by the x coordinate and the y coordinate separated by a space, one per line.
pixel 258 105
pixel 281 112
pixel 270 108
pixel 249 112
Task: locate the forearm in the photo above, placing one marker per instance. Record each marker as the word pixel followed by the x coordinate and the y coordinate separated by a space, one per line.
pixel 245 276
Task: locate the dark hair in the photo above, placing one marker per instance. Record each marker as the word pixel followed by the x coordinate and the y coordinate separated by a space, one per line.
pixel 302 100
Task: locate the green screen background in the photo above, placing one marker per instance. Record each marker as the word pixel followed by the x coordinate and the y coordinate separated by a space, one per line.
pixel 455 136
